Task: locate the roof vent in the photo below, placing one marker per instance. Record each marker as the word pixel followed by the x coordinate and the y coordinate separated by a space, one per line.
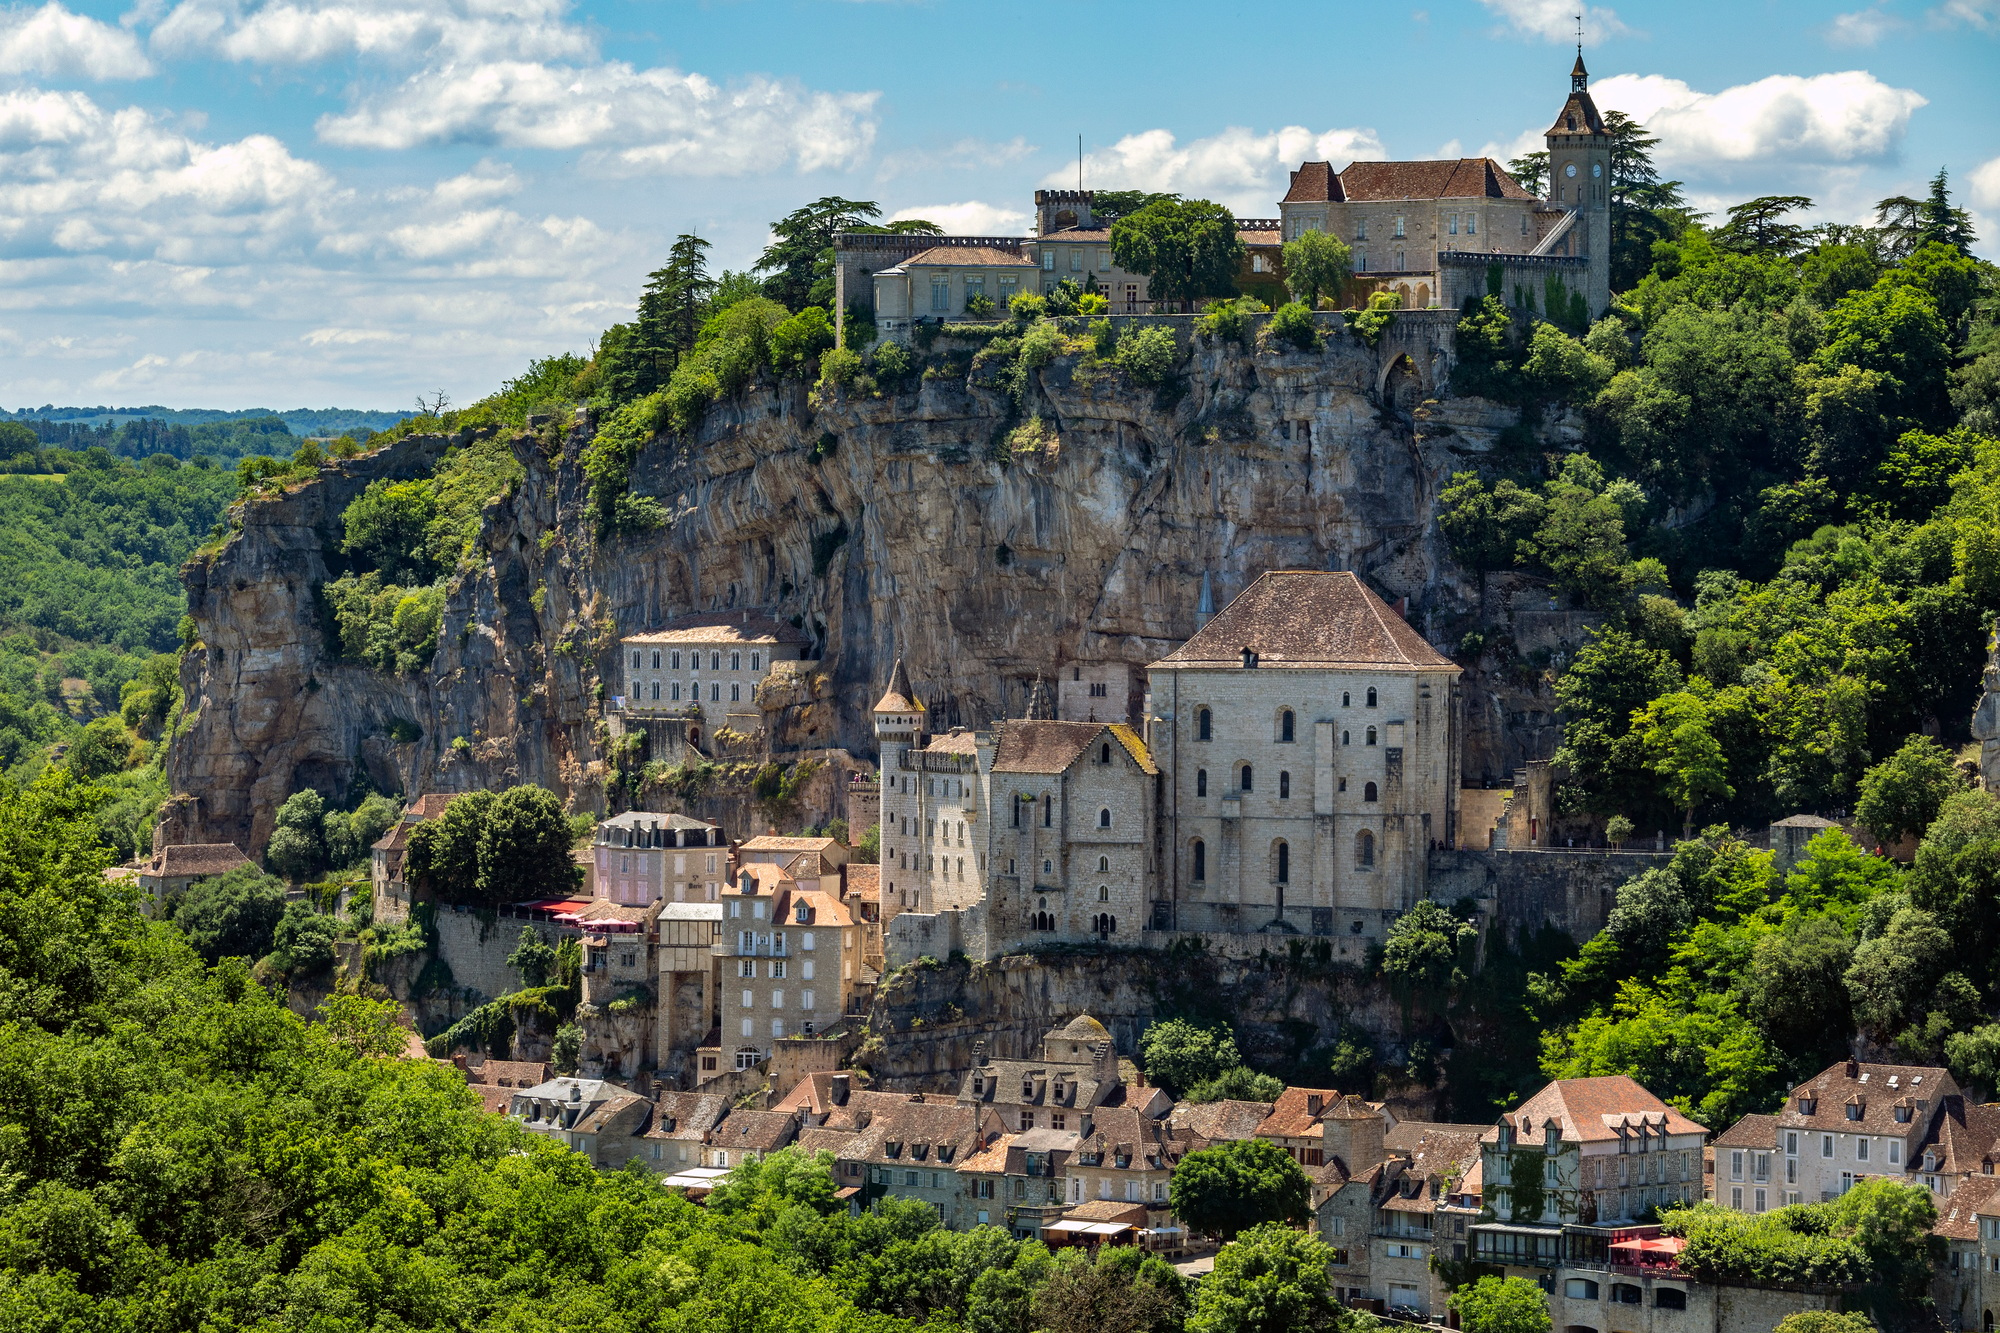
pixel 575 1093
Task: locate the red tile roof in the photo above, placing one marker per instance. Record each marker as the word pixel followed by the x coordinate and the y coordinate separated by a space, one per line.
pixel 864 882
pixel 969 256
pixel 1292 1117
pixel 1587 1109
pixel 1361 182
pixel 899 697
pixel 431 804
pixel 1876 1090
pixel 1041 746
pixel 755 1131
pixel 1223 1121
pixel 1752 1131
pixel 1309 618
pixel 1958 1215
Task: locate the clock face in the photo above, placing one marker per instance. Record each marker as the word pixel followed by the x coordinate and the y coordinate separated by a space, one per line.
pixel 1597 168
pixel 1570 170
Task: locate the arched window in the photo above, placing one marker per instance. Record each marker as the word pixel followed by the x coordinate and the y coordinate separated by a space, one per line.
pixel 656 660
pixel 1048 867
pixel 1287 727
pixel 1104 818
pixel 1247 784
pixel 1281 863
pixel 656 691
pixel 1203 724
pixel 1200 850
pixel 1346 739
pixel 1104 893
pixel 1201 782
pixel 1346 699
pixel 1284 785
pixel 1368 793
pixel 1103 865
pixel 1371 735
pixel 1371 696
pixel 635 659
pixel 1364 849
pixel 674 661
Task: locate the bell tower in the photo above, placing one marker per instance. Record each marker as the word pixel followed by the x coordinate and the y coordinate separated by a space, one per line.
pixel 1580 181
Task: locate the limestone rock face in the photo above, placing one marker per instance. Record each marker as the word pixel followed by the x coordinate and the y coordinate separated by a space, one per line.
pixel 900 524
pixel 1986 719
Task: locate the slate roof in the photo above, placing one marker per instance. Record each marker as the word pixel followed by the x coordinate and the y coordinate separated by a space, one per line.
pixel 820 1138
pixel 1220 1122
pixel 1309 618
pixel 813 1094
pixel 1877 1090
pixel 1967 1137
pixel 1379 182
pixel 1579 114
pixel 650 819
pixel 1404 1135
pixel 600 1119
pixel 992 1157
pixel 1108 1210
pixel 1958 1215
pixel 1148 1144
pixel 970 256
pixel 1003 1079
pixel 1444 1156
pixel 395 840
pixel 196 858
pixel 1586 1109
pixel 687 1116
pixel 899 697
pixel 938 1134
pixel 755 1131
pixel 1752 1131
pixel 721 627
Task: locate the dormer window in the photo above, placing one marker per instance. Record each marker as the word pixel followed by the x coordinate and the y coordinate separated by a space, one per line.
pixel 1854 1110
pixel 1249 659
pixel 1808 1104
pixel 1902 1115
pixel 978 1086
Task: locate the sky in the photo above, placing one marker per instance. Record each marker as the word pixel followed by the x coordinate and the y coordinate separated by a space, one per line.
pixel 308 203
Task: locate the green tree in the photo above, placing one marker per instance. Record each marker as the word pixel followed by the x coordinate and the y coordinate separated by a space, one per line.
pixel 1079 1296
pixel 524 847
pixel 1489 528
pixel 1757 226
pixel 1895 974
pixel 1796 991
pixel 1501 1305
pixel 1939 223
pixel 302 941
pixel 297 849
pixel 1677 735
pixel 99 750
pixel 443 855
pixel 1426 947
pixel 1238 1084
pixel 1645 210
pixel 389 526
pixel 1902 795
pixel 231 915
pixel 1270 1279
pixel 1187 248
pixel 1975 1056
pixel 1177 1054
pixel 1531 172
pixel 1317 264
pixel 1956 878
pixel 1234 1186
pixel 1107 206
pixel 533 957
pixel 799 258
pixel 1825 1321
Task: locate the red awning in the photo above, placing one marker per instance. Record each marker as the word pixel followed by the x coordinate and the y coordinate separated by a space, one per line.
pixel 1660 1245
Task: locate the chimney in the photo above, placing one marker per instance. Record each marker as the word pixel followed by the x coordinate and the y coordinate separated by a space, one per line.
pixel 979 1052
pixel 1313 1103
pixel 839 1090
pixel 1853 1068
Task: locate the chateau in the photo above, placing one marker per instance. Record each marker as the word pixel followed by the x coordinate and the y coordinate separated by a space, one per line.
pixel 1296 765
pixel 1431 233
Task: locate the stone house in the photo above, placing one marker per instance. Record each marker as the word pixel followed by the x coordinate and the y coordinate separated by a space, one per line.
pixel 1220 1122
pixel 1309 742
pixel 1436 232
pixel 556 1108
pixel 1127 1157
pixel 790 957
pixel 1581 1153
pixel 938 283
pixel 1017 1181
pixel 640 857
pixel 1967 1285
pixel 1737 1166
pixel 706 666
pixel 171 869
pixel 610 1134
pixel 1853 1120
pixel 813 863
pixel 387 854
pixel 687 935
pixel 677 1135
pixel 748 1136
pixel 497 1080
pixel 1077 1073
pixel 913 1150
pixel 1298 1122
pixel 864 902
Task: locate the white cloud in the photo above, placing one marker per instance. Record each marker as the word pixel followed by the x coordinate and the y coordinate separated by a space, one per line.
pixel 1827 118
pixel 1985 182
pixel 53 41
pixel 1864 27
pixel 969 218
pixel 1555 20
pixel 520 74
pixel 1238 167
pixel 1981 14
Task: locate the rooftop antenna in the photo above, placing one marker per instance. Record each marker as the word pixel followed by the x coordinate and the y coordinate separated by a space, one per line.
pixel 1079 164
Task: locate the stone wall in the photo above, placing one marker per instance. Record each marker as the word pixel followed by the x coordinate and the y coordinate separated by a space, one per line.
pixel 1572 891
pixel 475 945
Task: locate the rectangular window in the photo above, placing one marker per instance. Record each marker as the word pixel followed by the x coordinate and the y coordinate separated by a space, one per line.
pixel 777 1027
pixel 715 693
pixel 749 998
pixel 777 999
pixel 1760 1200
pixel 806 999
pixel 677 691
pixel 1736 1197
pixel 1008 287
pixel 806 943
pixel 1076 261
pixel 1472 224
pixel 1257 263
pixel 1361 229
pixel 1451 224
pixel 1524 224
pixel 807 973
pixel 1895 1152
pixel 746 1027
pixel 1736 1165
pixel 1791 1143
pixel 736 661
pixel 756 661
pixel 1048 261
pixel 1399 224
pixel 1360 261
pixel 735 692
pixel 1826 1145
pixel 940 295
pixel 777 969
pixel 1861 1150
pixel 974 286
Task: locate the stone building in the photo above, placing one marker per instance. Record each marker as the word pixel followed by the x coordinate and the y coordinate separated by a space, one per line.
pixel 704 668
pixel 1854 1120
pixel 689 991
pixel 1078 1071
pixel 938 283
pixel 913 1150
pixel 388 853
pixel 1308 739
pixel 640 857
pixel 790 956
pixel 1436 232
pixel 172 869
pixel 1967 1285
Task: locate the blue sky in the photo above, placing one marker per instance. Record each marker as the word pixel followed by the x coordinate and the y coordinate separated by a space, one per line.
pixel 310 202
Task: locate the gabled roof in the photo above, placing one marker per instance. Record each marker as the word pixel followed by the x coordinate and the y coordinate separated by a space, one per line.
pixel 1967 1137
pixel 1040 746
pixel 754 1131
pixel 1877 1090
pixel 1292 1117
pixel 919 1128
pixel 607 1113
pixel 771 842
pixel 969 256
pixel 864 882
pixel 1589 1110
pixel 723 628
pixel 1752 1131
pixel 1958 1215
pixel 431 804
pixel 508 1073
pixel 196 858
pixel 687 1116
pixel 956 741
pixel 395 840
pixel 899 697
pixel 1382 182
pixel 813 1094
pixel 1220 1122
pixel 1309 618
pixel 823 1138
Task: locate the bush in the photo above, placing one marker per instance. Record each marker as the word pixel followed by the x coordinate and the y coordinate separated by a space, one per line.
pixel 302 943
pixel 232 915
pixel 1178 1055
pixel 797 340
pixel 382 625
pixel 840 367
pixel 1041 344
pixel 1294 324
pixel 1027 307
pixel 980 306
pixel 1228 321
pixel 1148 355
pixel 893 363
pixel 1369 325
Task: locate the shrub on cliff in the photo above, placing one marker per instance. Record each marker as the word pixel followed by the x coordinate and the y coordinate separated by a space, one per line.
pixel 385 626
pixel 1148 355
pixel 231 915
pixel 1294 324
pixel 796 341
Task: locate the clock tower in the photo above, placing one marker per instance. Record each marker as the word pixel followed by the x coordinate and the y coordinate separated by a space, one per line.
pixel 1580 181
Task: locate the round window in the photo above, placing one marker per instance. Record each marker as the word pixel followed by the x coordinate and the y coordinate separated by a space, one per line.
pixel 1570 170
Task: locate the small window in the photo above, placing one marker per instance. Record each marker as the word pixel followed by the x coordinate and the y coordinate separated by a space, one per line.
pixel 1284 785
pixel 1364 849
pixel 1346 738
pixel 1346 699
pixel 1103 865
pixel 1282 863
pixel 656 660
pixel 736 661
pixel 1371 696
pixel 1104 818
pixel 1200 859
pixel 1371 735
pixel 1104 893
pixel 1368 792
pixel 1399 224
pixel 1104 753
pixel 1248 782
pixel 1048 811
pixel 1201 782
pixel 1203 725
pixel 1287 726
pixel 756 661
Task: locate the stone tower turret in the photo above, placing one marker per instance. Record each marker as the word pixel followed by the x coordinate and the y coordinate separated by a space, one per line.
pixel 900 723
pixel 1580 180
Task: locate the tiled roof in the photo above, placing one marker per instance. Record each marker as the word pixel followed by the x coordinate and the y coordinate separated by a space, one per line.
pixel 1752 1131
pixel 1108 1210
pixel 1803 821
pixel 1958 1215
pixel 919 1130
pixel 814 1093
pixel 1578 116
pixel 992 1157
pixel 1447 1154
pixel 1309 618
pixel 969 256
pixel 1462 178
pixel 509 1073
pixel 1967 1137
pixel 721 627
pixel 1314 182
pixel 1587 1109
pixel 1078 234
pixel 1003 1080
pixel 825 909
pixel 821 1138
pixel 648 819
pixel 956 741
pixel 864 882
pixel 1259 236
pixel 197 858
pixel 1291 1116
pixel 601 1118
pixel 1039 746
pixel 1876 1090
pixel 1148 1144
pixel 687 1116
pixel 431 804
pixel 899 697
pixel 771 842
pixel 862 1108
pixel 755 1131
pixel 395 840
pixel 1220 1122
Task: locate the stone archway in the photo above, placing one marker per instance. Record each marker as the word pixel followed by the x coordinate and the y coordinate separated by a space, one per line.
pixel 1402 386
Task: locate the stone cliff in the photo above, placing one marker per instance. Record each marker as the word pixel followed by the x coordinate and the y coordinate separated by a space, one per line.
pixel 881 525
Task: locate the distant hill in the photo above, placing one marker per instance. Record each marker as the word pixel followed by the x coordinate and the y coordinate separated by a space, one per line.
pixel 299 421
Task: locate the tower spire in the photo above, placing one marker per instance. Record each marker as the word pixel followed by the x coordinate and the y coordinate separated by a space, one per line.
pixel 1579 77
